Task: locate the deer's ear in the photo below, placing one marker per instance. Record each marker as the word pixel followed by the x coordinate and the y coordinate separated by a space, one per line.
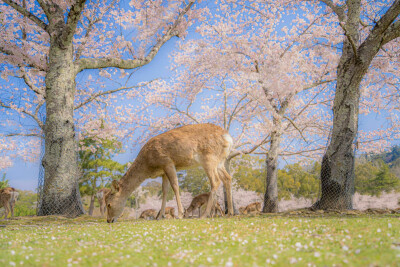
pixel 114 186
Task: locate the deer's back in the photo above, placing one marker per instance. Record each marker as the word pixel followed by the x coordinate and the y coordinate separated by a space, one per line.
pixel 186 146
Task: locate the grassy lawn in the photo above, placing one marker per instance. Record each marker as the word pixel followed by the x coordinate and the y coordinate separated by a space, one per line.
pixel 240 241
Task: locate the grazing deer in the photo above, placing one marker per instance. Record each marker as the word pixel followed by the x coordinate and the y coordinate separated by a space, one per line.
pixel 168 211
pixel 205 145
pixel 199 201
pixel 148 214
pixel 101 197
pixel 8 197
pixel 254 207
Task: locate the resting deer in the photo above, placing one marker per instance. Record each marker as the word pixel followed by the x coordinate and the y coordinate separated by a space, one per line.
pixel 168 211
pixel 8 197
pixel 101 197
pixel 148 214
pixel 205 145
pixel 199 201
pixel 251 208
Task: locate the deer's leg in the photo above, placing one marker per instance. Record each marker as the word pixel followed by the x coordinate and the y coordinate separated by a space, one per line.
pixel 215 182
pixel 6 210
pixel 165 184
pixel 227 180
pixel 12 204
pixel 173 179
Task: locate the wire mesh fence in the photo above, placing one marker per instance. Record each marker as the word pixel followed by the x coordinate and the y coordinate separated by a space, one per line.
pixel 49 203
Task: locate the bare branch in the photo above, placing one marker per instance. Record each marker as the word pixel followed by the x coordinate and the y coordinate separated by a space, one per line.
pixel 33 116
pixel 297 128
pixel 339 10
pixel 25 135
pixel 26 13
pixel 30 84
pixel 249 151
pixel 124 88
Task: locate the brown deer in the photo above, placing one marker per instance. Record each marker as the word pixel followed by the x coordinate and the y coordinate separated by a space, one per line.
pixel 148 214
pixel 200 200
pixel 168 211
pixel 254 207
pixel 205 145
pixel 101 197
pixel 8 197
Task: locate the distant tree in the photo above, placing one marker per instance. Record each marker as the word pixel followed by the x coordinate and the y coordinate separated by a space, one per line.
pixel 97 166
pixel 194 181
pixel 4 182
pixel 295 181
pixel 374 178
pixel 249 173
pixel 384 181
pixel 154 188
pixel 365 173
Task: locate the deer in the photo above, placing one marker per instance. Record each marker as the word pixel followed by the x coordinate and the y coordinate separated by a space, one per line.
pixel 189 146
pixel 8 197
pixel 168 211
pixel 148 214
pixel 200 200
pixel 254 207
pixel 101 194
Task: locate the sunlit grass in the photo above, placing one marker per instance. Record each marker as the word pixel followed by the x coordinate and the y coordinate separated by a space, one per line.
pixel 239 241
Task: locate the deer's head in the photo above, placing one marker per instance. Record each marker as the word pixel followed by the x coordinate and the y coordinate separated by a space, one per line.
pixel 115 202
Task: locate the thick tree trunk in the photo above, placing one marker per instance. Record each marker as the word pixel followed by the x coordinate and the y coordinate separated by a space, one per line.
pixel 337 170
pixel 271 193
pixel 91 206
pixel 60 192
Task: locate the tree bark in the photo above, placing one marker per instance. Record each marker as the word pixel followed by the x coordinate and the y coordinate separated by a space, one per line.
pixel 91 206
pixel 60 192
pixel 271 193
pixel 337 170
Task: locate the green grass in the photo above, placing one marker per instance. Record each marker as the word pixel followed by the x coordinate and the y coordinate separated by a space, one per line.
pixel 239 241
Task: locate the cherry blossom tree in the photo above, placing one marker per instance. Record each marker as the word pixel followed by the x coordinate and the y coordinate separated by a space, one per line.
pixel 369 45
pixel 264 82
pixel 47 44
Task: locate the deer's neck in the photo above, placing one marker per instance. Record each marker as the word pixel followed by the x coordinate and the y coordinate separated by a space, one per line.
pixel 135 175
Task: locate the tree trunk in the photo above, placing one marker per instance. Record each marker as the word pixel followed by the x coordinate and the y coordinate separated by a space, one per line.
pixel 60 194
pixel 91 206
pixel 271 193
pixel 337 170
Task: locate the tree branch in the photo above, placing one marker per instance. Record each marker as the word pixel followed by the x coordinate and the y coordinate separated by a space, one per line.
pixel 34 117
pixel 30 84
pixel 73 19
pixel 96 63
pixel 392 33
pixel 387 19
pixel 249 151
pixel 339 10
pixel 297 128
pixel 26 13
pixel 93 97
pixel 22 134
